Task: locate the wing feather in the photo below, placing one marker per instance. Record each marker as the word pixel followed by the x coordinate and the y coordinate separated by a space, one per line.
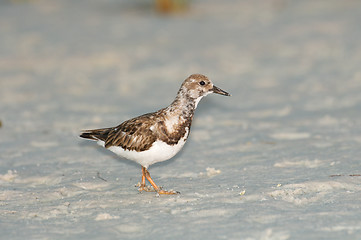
pixel 134 134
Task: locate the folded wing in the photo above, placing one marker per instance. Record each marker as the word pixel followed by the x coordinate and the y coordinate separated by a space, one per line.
pixel 134 134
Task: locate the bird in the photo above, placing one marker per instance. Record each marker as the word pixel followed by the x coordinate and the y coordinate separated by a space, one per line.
pixel 158 136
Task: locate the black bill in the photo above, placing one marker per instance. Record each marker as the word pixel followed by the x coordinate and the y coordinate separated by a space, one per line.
pixel 220 91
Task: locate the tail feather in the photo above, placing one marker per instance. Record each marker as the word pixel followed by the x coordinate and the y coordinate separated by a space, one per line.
pixel 96 134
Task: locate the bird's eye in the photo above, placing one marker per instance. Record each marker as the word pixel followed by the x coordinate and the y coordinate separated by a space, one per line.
pixel 202 83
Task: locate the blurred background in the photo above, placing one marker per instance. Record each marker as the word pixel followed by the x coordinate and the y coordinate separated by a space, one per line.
pixel 292 67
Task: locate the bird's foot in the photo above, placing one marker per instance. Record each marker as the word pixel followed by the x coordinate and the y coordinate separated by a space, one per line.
pixel 143 187
pixel 161 191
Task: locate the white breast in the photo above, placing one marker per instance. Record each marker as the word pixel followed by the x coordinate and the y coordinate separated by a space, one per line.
pixel 158 152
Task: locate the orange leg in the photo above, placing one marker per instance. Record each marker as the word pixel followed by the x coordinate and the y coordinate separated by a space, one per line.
pixel 143 177
pixel 143 187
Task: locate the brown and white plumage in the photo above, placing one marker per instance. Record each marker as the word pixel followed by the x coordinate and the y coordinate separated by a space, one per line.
pixel 158 136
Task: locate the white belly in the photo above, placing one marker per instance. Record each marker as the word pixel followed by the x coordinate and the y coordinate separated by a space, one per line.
pixel 158 152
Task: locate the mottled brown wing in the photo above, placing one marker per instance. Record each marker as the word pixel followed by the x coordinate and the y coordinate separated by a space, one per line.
pixel 134 134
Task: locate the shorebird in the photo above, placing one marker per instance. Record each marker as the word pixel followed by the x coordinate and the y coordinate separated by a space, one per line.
pixel 158 136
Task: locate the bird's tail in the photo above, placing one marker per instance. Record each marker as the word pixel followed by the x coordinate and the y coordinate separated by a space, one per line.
pixel 96 134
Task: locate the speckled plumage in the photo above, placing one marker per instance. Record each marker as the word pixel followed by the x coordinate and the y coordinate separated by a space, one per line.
pixel 157 136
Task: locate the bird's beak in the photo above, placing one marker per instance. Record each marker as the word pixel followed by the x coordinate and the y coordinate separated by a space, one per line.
pixel 220 91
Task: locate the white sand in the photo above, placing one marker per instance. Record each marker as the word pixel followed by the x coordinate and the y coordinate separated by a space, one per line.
pixel 280 159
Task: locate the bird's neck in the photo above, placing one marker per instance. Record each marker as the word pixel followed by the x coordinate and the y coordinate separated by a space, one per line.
pixel 183 105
